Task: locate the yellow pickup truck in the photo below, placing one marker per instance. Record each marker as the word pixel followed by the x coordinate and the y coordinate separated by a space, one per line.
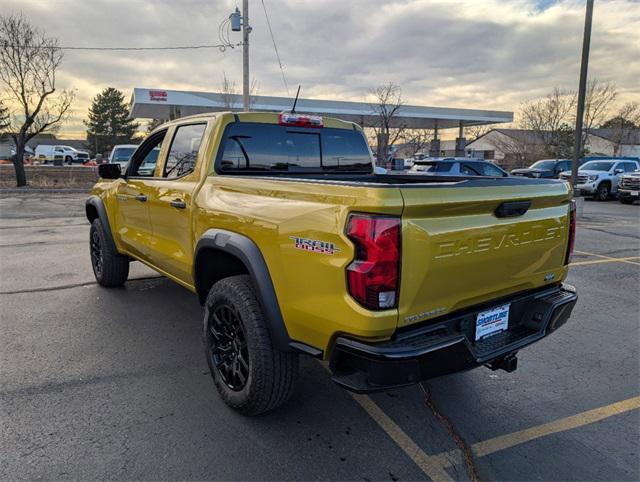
pixel 294 245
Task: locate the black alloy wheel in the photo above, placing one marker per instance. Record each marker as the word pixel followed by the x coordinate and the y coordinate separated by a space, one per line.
pixel 228 346
pixel 97 259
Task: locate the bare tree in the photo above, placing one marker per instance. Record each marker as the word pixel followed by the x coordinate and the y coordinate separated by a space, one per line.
pixel 472 133
pixel 549 119
pixel 231 97
pixel 387 103
pixel 29 61
pixel 598 99
pixel 5 118
pixel 416 140
pixel 625 121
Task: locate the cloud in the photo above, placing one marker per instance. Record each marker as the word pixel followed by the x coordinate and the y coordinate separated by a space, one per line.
pixel 489 54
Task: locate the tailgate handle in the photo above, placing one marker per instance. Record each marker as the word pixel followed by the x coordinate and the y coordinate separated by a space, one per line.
pixel 511 209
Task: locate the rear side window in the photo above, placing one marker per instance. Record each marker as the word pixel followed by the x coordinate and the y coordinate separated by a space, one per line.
pixel 182 156
pixel 249 147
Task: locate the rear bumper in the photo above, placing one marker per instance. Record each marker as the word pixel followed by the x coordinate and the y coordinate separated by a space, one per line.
pixel 447 345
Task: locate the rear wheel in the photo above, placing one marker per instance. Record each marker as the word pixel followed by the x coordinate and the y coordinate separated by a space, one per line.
pixel 109 267
pixel 68 160
pixel 250 374
pixel 603 191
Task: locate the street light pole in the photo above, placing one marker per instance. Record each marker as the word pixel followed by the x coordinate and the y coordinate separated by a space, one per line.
pixel 246 29
pixel 586 42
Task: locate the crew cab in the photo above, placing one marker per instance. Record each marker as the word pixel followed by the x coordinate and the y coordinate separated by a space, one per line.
pixel 600 178
pixel 295 246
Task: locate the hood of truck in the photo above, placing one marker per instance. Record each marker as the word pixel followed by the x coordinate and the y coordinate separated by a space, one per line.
pixel 457 252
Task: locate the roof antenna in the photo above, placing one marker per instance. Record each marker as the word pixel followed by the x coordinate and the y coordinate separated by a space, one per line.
pixel 293 110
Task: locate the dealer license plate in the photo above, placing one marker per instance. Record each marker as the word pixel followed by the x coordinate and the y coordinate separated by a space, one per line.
pixel 492 321
pixel 635 193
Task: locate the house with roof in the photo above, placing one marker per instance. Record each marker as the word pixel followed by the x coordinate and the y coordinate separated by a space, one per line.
pixel 512 148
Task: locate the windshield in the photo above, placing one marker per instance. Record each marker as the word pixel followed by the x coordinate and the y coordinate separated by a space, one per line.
pixel 547 165
pixel 122 154
pixel 596 166
pixel 270 147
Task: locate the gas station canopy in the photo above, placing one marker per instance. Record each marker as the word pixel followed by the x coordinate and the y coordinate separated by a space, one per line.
pixel 170 104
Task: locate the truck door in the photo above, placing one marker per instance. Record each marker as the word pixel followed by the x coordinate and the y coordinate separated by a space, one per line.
pixel 171 201
pixel 133 225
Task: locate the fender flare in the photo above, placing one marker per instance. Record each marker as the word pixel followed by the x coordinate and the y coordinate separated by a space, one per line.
pixel 248 252
pixel 98 204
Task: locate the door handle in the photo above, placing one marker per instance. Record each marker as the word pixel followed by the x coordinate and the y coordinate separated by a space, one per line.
pixel 178 203
pixel 141 197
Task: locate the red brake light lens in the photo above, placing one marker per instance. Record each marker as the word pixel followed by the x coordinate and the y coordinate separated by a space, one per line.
pixel 572 231
pixel 373 277
pixel 299 120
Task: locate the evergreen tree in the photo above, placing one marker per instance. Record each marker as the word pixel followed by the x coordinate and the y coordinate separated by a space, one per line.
pixel 108 123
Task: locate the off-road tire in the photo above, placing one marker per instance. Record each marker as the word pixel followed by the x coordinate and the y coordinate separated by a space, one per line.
pixel 603 192
pixel 271 372
pixel 113 268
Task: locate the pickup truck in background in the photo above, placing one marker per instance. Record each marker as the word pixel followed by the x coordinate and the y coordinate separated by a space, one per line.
pixel 294 245
pixel 600 178
pixel 66 154
pixel 629 187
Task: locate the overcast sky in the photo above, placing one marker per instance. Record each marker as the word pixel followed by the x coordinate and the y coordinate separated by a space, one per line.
pixel 485 54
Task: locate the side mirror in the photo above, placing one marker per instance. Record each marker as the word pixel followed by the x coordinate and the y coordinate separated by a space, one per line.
pixel 618 171
pixel 109 171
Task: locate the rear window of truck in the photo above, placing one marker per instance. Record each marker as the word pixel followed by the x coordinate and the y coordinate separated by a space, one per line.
pixel 251 147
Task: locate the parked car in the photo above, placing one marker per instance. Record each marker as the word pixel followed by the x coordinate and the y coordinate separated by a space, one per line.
pixel 545 168
pixel 295 247
pixel 600 178
pixel 629 187
pixel 68 154
pixel 457 167
pixel 121 153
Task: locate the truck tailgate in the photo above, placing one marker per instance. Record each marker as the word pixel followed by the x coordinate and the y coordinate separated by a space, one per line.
pixel 458 252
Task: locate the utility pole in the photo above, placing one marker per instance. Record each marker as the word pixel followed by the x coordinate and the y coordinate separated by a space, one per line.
pixel 586 42
pixel 246 30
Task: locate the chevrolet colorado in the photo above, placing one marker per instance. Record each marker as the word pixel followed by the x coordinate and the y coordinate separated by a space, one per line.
pixel 295 246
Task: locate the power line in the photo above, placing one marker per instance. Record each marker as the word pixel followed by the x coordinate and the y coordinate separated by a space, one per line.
pixel 221 47
pixel 275 47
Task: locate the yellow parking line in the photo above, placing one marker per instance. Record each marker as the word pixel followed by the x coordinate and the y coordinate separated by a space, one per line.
pixel 598 261
pixel 502 442
pixel 431 467
pixel 621 260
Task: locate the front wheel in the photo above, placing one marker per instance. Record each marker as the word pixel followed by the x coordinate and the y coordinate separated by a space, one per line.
pixel 109 267
pixel 603 191
pixel 250 374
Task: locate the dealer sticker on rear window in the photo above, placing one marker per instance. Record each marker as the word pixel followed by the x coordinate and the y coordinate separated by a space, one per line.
pixel 492 321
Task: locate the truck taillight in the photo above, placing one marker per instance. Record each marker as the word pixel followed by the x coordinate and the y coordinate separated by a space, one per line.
pixel 373 277
pixel 572 231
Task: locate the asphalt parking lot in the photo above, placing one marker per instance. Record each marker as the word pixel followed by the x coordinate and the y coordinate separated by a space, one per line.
pixel 113 384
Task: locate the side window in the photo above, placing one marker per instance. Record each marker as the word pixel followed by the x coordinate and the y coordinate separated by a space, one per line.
pixel 491 170
pixel 629 166
pixel 469 170
pixel 182 156
pixel 144 160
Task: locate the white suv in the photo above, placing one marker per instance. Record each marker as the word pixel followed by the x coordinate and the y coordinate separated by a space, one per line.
pixel 600 178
